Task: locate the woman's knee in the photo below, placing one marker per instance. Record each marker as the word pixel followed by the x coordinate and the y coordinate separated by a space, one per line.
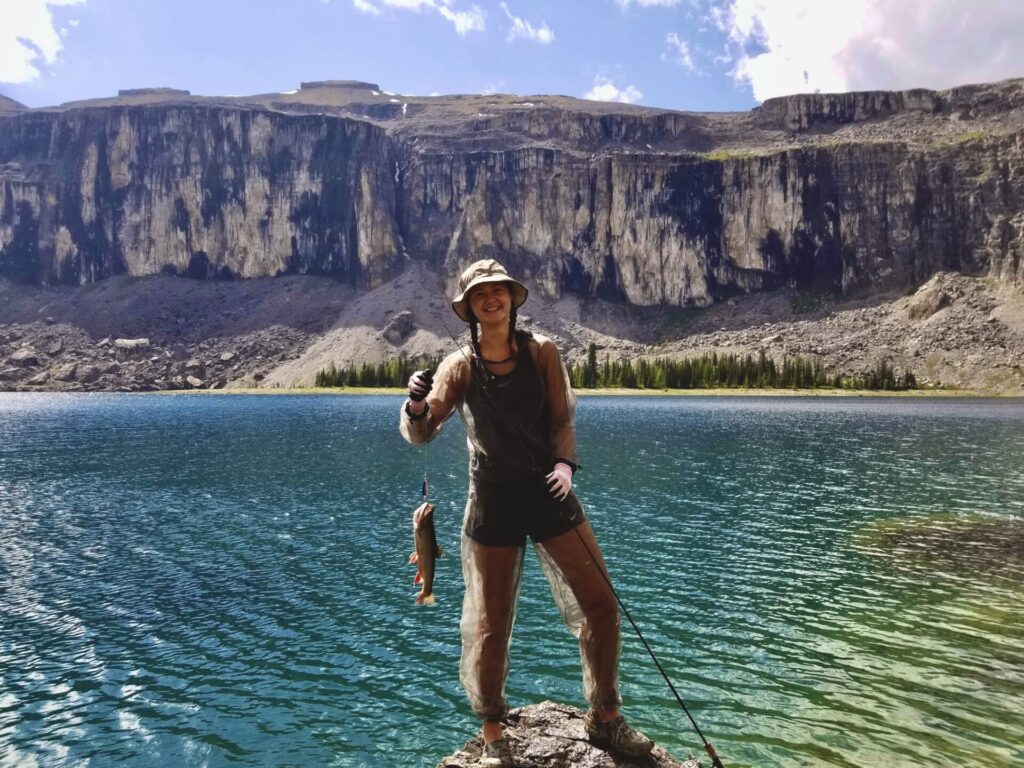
pixel 602 609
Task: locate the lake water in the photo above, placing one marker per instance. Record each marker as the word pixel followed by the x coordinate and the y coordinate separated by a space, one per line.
pixel 222 580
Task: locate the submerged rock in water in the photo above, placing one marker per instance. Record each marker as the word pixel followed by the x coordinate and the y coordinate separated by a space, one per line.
pixel 549 735
pixel 973 545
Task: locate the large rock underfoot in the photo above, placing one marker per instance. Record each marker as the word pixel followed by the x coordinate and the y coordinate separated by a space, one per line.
pixel 549 735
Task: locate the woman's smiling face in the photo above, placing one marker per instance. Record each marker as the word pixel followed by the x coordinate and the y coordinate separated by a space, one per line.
pixel 490 302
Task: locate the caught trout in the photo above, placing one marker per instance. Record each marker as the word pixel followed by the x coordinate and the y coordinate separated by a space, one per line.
pixel 426 554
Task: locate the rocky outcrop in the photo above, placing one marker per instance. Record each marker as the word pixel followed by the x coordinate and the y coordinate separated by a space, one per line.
pixel 11 107
pixel 549 735
pixel 839 193
pixel 399 327
pixel 805 112
pixel 199 192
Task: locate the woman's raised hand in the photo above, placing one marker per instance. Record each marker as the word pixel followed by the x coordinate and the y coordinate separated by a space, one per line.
pixel 560 480
pixel 420 384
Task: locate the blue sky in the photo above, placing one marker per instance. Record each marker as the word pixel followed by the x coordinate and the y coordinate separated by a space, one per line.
pixel 713 55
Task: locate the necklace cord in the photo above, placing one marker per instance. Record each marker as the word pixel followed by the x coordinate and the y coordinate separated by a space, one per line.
pixel 716 762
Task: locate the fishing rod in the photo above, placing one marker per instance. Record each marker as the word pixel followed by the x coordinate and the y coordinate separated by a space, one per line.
pixel 708 747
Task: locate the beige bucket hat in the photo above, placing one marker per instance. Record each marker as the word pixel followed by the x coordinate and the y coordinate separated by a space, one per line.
pixel 486 271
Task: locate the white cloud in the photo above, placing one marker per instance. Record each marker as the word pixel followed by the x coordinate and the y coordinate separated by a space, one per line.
pixel 28 38
pixel 471 20
pixel 365 7
pixel 493 87
pixel 522 28
pixel 605 90
pixel 806 45
pixel 412 5
pixel 678 50
pixel 624 4
pixel 465 21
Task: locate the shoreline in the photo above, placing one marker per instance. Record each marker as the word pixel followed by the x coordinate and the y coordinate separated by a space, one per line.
pixel 619 392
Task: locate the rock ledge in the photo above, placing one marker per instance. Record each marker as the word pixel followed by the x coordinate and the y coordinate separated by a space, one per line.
pixel 549 735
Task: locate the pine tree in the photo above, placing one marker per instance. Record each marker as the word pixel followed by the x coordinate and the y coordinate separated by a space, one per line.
pixel 590 374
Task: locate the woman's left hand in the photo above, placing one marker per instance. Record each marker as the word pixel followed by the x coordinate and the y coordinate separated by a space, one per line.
pixel 560 480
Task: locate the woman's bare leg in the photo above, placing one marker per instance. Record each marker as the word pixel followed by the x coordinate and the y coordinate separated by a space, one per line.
pixel 491 599
pixel 599 634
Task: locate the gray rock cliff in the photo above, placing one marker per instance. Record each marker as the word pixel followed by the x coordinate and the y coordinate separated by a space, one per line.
pixel 844 193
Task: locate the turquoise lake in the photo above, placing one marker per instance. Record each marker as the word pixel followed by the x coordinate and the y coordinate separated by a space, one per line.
pixel 222 580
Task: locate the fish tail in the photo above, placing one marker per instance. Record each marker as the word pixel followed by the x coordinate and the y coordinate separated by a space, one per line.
pixel 422 599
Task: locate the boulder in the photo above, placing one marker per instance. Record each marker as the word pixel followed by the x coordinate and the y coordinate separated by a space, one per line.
pixel 25 357
pixel 227 357
pixel 87 374
pixel 194 382
pixel 65 372
pixel 39 378
pixel 8 374
pixel 776 339
pixel 55 348
pixel 129 348
pixel 929 299
pixel 399 327
pixel 549 735
pixel 194 364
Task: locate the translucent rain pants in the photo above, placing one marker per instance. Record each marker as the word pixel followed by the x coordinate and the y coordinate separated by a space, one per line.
pixel 493 576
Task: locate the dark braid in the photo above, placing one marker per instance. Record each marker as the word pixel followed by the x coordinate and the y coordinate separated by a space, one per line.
pixel 474 333
pixel 478 360
pixel 512 326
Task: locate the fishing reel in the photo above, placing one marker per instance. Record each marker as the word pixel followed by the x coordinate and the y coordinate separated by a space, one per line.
pixel 691 762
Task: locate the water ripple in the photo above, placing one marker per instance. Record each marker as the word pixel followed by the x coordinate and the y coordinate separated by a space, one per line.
pixel 223 581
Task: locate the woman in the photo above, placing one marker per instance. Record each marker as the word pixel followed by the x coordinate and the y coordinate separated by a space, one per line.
pixel 513 394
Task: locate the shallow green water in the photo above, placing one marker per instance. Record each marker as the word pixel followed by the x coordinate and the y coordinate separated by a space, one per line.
pixel 222 581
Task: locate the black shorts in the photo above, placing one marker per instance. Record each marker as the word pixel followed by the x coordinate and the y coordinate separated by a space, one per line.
pixel 503 514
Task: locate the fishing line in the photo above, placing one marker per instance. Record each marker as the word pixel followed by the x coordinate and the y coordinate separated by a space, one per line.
pixel 708 747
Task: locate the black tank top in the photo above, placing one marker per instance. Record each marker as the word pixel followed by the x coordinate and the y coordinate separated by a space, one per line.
pixel 520 395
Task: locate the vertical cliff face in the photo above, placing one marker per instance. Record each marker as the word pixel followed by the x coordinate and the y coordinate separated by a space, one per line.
pixel 839 193
pixel 618 227
pixel 200 192
pixel 689 230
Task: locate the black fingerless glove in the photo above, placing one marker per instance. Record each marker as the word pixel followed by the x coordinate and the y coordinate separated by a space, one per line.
pixel 427 377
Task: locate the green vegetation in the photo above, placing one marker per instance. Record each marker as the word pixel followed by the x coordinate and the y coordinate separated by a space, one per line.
pixel 393 373
pixel 959 138
pixel 710 371
pixel 809 300
pixel 736 154
pixel 713 371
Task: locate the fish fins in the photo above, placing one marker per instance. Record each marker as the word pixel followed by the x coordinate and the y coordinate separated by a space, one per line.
pixel 419 578
pixel 414 557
